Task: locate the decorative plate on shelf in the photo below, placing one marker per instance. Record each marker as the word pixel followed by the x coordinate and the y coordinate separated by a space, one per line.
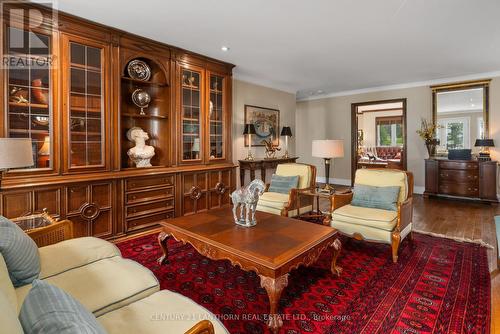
pixel 139 70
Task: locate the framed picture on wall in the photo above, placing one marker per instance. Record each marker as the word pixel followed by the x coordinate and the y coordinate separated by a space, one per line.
pixel 266 122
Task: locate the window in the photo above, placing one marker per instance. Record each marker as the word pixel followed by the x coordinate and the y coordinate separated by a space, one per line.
pixel 480 128
pixel 389 131
pixel 454 133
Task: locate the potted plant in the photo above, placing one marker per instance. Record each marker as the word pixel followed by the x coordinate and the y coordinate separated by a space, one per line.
pixel 427 132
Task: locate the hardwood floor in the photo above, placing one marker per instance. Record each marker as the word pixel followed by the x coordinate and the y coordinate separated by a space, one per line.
pixel 463 220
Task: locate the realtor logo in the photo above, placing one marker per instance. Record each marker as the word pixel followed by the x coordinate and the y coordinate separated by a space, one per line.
pixel 28 35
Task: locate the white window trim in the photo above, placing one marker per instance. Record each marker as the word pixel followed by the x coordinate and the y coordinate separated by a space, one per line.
pixel 394 137
pixel 442 133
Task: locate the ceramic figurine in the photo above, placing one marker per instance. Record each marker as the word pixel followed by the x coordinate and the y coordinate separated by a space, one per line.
pixel 246 199
pixel 141 153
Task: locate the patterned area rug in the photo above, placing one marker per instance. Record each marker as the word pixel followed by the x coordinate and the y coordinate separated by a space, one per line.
pixel 438 286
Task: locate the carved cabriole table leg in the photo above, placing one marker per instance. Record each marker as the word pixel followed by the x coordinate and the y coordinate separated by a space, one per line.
pixel 337 246
pixel 162 240
pixel 274 287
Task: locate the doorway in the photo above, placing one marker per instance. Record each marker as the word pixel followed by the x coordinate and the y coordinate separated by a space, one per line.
pixel 378 135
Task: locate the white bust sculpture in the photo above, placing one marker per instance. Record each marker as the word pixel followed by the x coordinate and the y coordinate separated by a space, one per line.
pixel 141 153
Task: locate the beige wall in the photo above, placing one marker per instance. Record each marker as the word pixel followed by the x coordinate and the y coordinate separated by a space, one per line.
pixel 331 118
pixel 248 93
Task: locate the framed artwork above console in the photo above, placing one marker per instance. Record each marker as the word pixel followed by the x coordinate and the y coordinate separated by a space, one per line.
pixel 266 122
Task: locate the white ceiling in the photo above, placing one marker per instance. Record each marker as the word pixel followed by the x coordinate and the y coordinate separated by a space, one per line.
pixel 323 46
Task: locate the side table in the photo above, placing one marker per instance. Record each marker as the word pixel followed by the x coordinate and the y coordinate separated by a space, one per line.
pixel 316 214
pixel 44 229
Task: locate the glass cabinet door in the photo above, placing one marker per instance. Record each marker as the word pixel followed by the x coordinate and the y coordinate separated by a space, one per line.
pixel 86 106
pixel 216 117
pixel 191 108
pixel 29 107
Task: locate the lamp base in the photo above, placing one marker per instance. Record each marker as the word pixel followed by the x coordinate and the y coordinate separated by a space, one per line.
pixel 285 156
pixel 249 157
pixel 484 156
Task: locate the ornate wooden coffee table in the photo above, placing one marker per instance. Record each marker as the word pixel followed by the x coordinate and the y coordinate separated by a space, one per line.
pixel 272 248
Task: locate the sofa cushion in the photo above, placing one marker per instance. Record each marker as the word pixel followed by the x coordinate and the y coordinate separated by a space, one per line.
pixel 283 184
pixel 49 310
pixel 104 285
pixel 384 178
pixel 9 323
pixel 385 198
pixel 19 252
pixel 302 170
pixel 74 253
pixel 160 313
pixel 6 285
pixel 376 218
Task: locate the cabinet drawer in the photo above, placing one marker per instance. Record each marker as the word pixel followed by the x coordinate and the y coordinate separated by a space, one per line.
pixel 461 176
pixel 149 195
pixel 149 182
pixel 459 189
pixel 458 165
pixel 149 220
pixel 148 208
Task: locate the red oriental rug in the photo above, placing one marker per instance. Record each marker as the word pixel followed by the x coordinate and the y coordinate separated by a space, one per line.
pixel 438 286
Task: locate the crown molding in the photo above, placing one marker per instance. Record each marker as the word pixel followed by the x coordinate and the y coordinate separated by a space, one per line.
pixel 441 81
pixel 263 83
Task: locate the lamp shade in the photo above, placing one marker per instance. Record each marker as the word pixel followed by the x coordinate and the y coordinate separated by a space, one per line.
pixel 249 129
pixel 45 149
pixel 286 131
pixel 328 148
pixel 484 143
pixel 15 153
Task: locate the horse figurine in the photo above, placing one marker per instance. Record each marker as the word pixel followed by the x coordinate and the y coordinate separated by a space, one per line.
pixel 246 199
pixel 271 149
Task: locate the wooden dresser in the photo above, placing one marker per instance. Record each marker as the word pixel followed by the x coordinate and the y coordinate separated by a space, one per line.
pixel 457 178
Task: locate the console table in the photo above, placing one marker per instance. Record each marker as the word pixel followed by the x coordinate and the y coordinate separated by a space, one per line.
pixel 262 164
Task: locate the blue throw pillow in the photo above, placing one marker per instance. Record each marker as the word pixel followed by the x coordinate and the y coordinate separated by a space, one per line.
pixel 283 184
pixel 385 198
pixel 19 252
pixel 49 310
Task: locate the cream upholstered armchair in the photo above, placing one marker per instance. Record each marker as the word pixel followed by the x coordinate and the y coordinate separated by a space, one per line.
pixel 373 224
pixel 286 204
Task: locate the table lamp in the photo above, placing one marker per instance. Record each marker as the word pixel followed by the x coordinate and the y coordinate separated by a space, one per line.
pixel 286 132
pixel 15 153
pixel 328 149
pixel 485 144
pixel 249 130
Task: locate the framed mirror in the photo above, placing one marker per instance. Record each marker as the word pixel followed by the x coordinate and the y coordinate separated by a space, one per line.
pixel 461 111
pixel 379 134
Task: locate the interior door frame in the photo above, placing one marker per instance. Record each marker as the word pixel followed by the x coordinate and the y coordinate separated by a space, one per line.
pixel 354 132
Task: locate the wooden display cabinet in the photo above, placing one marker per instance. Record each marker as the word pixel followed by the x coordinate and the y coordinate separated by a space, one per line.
pixel 86 102
pixel 77 111
pixel 155 120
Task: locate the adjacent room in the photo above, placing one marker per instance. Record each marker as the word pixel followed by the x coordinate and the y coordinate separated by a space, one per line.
pixel 279 166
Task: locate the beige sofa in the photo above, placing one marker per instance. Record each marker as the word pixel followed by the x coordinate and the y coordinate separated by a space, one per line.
pixel 121 293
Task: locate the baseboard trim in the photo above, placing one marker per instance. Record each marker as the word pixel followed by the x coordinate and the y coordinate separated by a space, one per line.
pixel 418 190
pixel 473 241
pixel 342 182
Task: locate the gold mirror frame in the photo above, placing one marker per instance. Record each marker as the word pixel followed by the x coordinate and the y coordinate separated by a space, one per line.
pixel 485 84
